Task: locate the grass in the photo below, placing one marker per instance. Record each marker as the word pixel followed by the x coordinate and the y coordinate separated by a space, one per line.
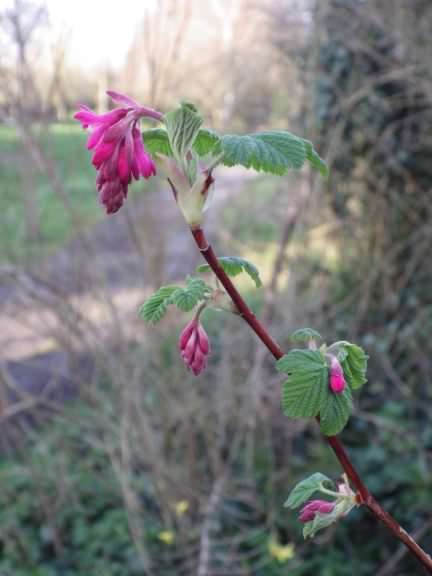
pixel 65 144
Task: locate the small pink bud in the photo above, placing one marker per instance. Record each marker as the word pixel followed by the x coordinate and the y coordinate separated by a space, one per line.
pixel 311 509
pixel 337 379
pixel 194 346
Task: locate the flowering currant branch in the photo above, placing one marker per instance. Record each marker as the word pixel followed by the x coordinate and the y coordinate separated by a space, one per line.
pixel 321 379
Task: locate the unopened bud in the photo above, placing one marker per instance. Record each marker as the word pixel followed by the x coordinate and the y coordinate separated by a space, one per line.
pixel 337 379
pixel 194 346
pixel 313 507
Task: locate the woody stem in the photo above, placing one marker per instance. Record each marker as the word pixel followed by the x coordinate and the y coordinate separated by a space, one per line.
pixel 364 496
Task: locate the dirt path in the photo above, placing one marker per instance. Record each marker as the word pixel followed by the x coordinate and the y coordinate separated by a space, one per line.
pixel 108 270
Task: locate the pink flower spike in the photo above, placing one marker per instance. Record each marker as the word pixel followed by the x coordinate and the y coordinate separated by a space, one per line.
pixel 313 507
pixel 337 379
pixel 194 346
pixel 118 150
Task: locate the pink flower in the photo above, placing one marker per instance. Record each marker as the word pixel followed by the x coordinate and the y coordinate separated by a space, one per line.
pixel 311 509
pixel 194 346
pixel 118 150
pixel 337 379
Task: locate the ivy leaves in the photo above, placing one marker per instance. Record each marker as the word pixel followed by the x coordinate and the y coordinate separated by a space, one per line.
pixel 185 298
pixel 306 392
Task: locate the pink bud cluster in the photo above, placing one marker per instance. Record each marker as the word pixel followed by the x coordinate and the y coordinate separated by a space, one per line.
pixel 337 378
pixel 194 346
pixel 313 507
pixel 118 150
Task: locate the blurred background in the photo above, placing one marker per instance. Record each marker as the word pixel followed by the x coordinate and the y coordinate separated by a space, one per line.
pixel 115 461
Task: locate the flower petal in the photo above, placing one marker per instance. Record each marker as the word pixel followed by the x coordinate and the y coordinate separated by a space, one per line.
pixel 122 99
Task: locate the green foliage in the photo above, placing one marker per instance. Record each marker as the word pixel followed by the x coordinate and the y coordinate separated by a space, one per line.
pixel 156 142
pixel 207 142
pixel 155 307
pixel 233 266
pixel 335 411
pixel 315 159
pixel 182 125
pixel 188 297
pixel 305 390
pixel 305 335
pixel 304 489
pixel 185 298
pixel 354 363
pixel 273 152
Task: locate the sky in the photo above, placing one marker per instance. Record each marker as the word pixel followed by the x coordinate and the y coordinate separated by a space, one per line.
pixel 98 31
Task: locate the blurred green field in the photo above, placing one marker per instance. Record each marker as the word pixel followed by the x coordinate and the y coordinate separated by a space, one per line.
pixel 64 144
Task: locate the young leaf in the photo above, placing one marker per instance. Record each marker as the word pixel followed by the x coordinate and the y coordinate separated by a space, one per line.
pixel 305 391
pixel 305 335
pixel 207 142
pixel 233 266
pixel 155 307
pixel 304 489
pixel 156 142
pixel 335 412
pixel 273 152
pixel 182 125
pixel 315 160
pixel 188 297
pixel 354 365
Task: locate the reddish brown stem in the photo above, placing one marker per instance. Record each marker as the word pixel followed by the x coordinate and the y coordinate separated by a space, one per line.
pixel 364 496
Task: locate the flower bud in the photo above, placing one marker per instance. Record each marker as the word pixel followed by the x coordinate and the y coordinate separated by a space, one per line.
pixel 313 507
pixel 337 379
pixel 194 346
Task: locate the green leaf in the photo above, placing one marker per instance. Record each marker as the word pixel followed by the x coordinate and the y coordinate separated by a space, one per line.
pixel 305 390
pixel 354 365
pixel 274 152
pixel 182 125
pixel 188 297
pixel 207 142
pixel 335 412
pixel 233 266
pixel 304 489
pixel 305 335
pixel 315 159
pixel 156 142
pixel 155 307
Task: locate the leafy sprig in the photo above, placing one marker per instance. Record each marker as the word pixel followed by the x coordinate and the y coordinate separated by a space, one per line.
pixel 306 392
pixel 273 152
pixel 184 297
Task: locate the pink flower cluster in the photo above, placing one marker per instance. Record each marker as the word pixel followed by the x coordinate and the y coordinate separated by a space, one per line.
pixel 313 507
pixel 337 378
pixel 118 149
pixel 194 346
